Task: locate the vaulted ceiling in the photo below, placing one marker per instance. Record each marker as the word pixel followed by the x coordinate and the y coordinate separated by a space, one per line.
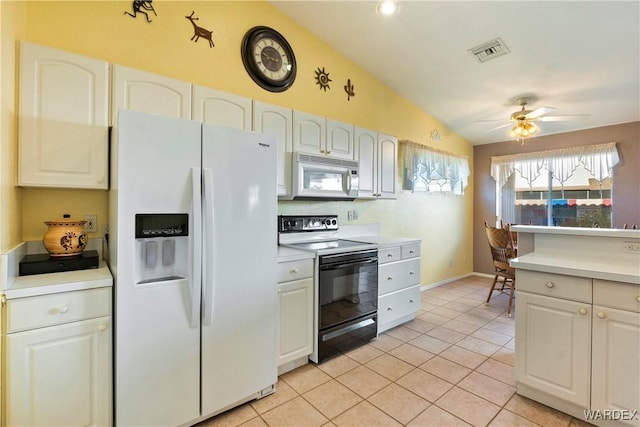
pixel 579 57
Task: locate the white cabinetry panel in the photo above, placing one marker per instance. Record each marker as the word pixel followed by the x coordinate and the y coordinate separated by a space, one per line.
pixel 553 346
pixel 63 119
pixel 150 93
pixel 277 121
pixel 60 375
pixel 221 108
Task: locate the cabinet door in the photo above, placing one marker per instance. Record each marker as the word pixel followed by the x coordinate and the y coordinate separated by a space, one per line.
pixel 339 139
pixel 296 319
pixel 150 93
pixel 387 166
pixel 64 119
pixel 221 108
pixel 366 153
pixel 616 360
pixel 60 375
pixel 277 122
pixel 309 133
pixel 553 346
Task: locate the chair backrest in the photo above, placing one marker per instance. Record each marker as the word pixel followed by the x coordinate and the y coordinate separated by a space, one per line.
pixel 501 245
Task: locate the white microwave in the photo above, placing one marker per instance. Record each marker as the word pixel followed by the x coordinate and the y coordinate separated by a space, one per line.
pixel 323 177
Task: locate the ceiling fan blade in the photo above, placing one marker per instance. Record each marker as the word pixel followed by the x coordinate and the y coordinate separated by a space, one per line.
pixel 564 118
pixel 500 127
pixel 538 112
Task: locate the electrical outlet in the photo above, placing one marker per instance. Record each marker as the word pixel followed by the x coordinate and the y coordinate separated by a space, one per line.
pixel 632 246
pixel 91 226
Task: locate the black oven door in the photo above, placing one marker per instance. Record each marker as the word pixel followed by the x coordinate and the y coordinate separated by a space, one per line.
pixel 348 300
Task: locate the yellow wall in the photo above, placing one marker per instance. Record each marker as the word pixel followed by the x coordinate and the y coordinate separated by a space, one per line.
pixel 100 29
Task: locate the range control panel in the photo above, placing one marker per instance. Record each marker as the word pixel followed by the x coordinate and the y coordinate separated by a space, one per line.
pixel 295 223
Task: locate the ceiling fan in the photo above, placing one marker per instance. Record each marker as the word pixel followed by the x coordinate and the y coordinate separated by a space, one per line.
pixel 522 121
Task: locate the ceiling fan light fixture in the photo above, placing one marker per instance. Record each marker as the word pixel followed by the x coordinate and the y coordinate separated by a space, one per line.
pixel 523 129
pixel 387 7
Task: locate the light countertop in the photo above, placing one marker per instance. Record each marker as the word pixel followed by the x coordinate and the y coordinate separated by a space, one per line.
pixel 617 271
pixel 51 283
pixel 578 231
pixel 286 254
pixel 386 241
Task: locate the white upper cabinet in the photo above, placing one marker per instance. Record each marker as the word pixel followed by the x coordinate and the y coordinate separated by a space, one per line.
pixel 277 121
pixel 377 156
pixel 339 141
pixel 221 108
pixel 366 150
pixel 150 93
pixel 309 133
pixel 317 135
pixel 63 119
pixel 387 166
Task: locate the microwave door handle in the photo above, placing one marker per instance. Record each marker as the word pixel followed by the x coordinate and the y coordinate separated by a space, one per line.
pixel 348 181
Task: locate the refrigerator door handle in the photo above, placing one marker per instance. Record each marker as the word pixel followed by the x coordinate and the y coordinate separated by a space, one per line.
pixel 196 278
pixel 208 271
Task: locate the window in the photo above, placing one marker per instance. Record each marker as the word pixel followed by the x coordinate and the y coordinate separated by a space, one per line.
pixel 430 170
pixel 569 187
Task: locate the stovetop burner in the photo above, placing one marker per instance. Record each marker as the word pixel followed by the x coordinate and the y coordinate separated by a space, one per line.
pixel 316 233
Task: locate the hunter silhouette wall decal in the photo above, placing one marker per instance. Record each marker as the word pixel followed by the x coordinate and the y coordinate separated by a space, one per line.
pixel 350 89
pixel 199 31
pixel 140 6
pixel 322 79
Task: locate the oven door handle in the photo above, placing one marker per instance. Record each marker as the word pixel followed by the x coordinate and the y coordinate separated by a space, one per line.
pixel 348 264
pixel 350 328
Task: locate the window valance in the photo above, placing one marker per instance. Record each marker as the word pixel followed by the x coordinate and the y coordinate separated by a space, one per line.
pixel 426 167
pixel 598 159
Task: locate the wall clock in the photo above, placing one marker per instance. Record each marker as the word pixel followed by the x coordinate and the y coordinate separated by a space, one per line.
pixel 269 59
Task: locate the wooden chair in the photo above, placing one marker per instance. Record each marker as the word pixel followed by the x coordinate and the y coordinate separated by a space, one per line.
pixel 502 250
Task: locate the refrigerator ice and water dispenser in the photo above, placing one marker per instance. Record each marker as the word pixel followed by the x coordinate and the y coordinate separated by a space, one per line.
pixel 162 250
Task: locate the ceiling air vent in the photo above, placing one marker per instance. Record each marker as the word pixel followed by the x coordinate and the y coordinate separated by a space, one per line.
pixel 490 50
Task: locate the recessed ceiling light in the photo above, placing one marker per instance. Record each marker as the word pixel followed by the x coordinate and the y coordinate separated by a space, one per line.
pixel 387 7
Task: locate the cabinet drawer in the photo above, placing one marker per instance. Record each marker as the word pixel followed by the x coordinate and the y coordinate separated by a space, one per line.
pixel 624 296
pixel 398 304
pixel 554 285
pixel 398 275
pixel 294 270
pixel 389 255
pixel 410 251
pixel 54 309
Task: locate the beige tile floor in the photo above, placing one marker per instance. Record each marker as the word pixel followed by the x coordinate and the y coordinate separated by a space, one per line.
pixel 451 366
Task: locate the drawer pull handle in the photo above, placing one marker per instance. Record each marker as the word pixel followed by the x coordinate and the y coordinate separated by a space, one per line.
pixel 294 270
pixel 411 301
pixel 389 255
pixel 389 309
pixel 582 311
pixel 411 252
pixel 601 315
pixel 102 327
pixel 411 273
pixel 549 285
pixel 63 309
pixel 389 278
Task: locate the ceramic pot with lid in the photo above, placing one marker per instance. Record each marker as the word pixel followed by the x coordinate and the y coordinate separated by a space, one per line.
pixel 65 237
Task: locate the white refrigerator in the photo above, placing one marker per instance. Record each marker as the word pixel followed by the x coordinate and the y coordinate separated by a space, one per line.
pixel 193 252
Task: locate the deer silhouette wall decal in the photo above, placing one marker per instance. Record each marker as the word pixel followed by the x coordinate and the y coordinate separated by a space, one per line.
pixel 199 31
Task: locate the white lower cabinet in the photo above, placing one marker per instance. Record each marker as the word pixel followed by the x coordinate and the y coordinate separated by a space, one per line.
pixel 553 352
pixel 295 305
pixel 615 370
pixel 58 367
pixel 398 285
pixel 578 345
